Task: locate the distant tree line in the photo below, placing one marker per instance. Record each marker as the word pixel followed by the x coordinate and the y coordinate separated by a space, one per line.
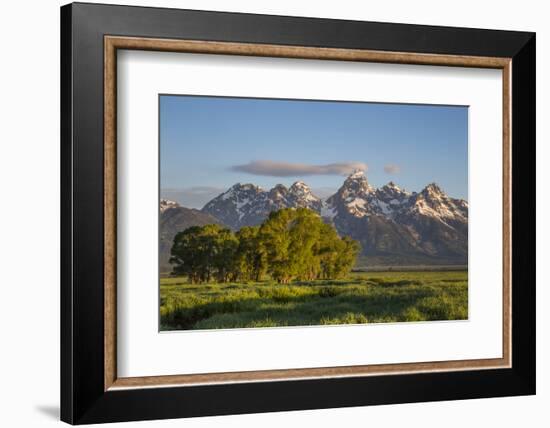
pixel 289 244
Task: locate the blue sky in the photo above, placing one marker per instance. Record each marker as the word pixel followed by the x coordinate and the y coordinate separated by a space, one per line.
pixel 207 144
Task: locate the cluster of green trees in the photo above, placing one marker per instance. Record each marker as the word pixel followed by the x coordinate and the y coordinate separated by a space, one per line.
pixel 289 244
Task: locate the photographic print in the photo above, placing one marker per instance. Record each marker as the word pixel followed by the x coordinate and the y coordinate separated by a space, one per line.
pixel 281 212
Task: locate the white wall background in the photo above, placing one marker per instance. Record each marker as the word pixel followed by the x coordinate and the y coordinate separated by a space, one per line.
pixel 29 215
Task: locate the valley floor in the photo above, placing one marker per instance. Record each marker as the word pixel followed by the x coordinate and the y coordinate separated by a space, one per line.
pixel 364 297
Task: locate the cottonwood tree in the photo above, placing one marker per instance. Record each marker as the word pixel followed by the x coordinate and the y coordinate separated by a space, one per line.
pixel 202 252
pixel 251 257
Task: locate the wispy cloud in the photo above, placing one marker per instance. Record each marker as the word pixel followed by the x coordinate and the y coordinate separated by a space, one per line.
pixel 192 197
pixel 392 168
pixel 288 169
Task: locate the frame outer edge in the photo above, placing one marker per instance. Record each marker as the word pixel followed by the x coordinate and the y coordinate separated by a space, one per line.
pixel 524 215
pixel 66 143
pixel 83 397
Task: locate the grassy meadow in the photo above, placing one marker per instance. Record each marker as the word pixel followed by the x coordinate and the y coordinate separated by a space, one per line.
pixel 363 297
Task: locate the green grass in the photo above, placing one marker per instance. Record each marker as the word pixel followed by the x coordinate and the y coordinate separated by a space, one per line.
pixel 366 297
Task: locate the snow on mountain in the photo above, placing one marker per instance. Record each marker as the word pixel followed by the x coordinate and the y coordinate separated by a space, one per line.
pixel 166 204
pixel 358 198
pixel 353 196
pixel 391 222
pixel 300 196
pixel 432 201
pixel 233 205
pixel 247 205
pixel 428 226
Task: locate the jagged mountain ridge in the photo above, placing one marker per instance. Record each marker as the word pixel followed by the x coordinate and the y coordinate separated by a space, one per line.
pixel 249 205
pixel 427 227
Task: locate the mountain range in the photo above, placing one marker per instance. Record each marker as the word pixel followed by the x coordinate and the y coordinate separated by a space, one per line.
pixel 394 227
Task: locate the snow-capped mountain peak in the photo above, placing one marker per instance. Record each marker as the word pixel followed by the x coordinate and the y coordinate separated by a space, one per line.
pixel 392 191
pixel 167 204
pixel 353 197
pixel 391 186
pixel 358 174
pixel 279 191
pixel 433 190
pixel 357 183
pixel 300 187
pixel 239 192
pixel 301 195
pixel 248 205
pixel 432 201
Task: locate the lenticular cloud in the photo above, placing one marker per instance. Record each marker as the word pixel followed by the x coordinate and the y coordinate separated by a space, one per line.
pixel 288 169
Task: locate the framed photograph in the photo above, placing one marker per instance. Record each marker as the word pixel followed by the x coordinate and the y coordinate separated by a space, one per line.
pixel 265 213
